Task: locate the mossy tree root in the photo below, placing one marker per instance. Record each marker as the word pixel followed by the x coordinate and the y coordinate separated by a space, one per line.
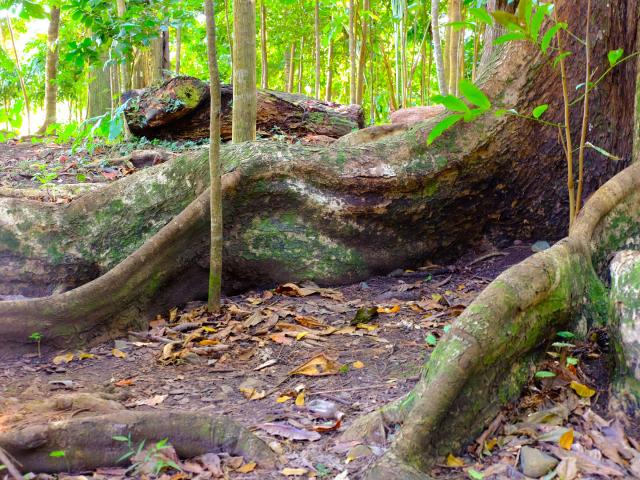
pixel 88 442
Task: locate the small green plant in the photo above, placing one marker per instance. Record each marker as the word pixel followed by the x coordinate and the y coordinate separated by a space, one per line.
pixel 45 174
pixel 36 337
pixel 61 454
pixel 142 458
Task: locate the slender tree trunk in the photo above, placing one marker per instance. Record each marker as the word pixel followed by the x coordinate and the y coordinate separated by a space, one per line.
pixel 51 86
pixel 352 53
pixel 364 54
pixel 178 48
pixel 437 47
pixel 428 76
pixel 125 67
pixel 476 49
pixel 316 28
pixel 99 100
pixel 19 73
pixel 389 76
pixel 229 33
pixel 403 53
pixel 454 46
pixel 329 86
pixel 301 66
pixel 263 47
pixel 244 71
pixel 422 73
pixel 292 70
pixel 215 169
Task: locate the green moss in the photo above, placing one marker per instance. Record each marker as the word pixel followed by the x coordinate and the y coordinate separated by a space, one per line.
pixel 188 95
pixel 9 240
pixel 55 255
pixel 287 240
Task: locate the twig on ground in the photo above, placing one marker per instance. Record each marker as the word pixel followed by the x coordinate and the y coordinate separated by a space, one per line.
pixel 8 462
pixel 486 257
pixel 442 283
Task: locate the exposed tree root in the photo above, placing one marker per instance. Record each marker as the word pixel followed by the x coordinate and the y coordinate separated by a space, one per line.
pixel 88 441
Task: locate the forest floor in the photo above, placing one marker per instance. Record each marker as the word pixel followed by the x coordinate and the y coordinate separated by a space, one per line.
pixel 275 358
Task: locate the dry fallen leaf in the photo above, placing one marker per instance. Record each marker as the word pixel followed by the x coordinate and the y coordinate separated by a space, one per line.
pixel 293 472
pixel 247 467
pixel 317 366
pixel 566 439
pixel 582 390
pixel 454 462
pixel 125 382
pixel 66 358
pixel 118 353
pixel 283 398
pixel 253 394
pixel 300 400
pixel 85 356
pixel 309 322
pixel 394 309
pixel 151 402
pixel 287 431
pixel 357 364
pixel 208 342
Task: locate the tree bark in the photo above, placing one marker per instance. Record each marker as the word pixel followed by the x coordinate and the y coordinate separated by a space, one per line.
pixel 437 47
pixel 362 58
pixel 316 33
pixel 329 86
pixel 51 87
pixel 215 168
pixel 178 48
pixel 352 54
pixel 99 89
pixel 179 109
pixel 244 71
pixel 263 46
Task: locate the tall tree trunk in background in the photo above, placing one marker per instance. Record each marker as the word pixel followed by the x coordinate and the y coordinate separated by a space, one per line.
pixel 215 169
pixel 437 46
pixel 229 33
pixel 316 32
pixel 244 71
pixel 114 85
pixel 99 100
pixel 403 52
pixel 125 67
pixel 490 34
pixel 301 65
pixel 178 48
pixel 447 46
pixel 454 46
pixel 352 53
pixel 23 87
pixel 161 61
pixel 389 76
pixel 364 54
pixel 51 87
pixel 329 86
pixel 292 69
pixel 372 78
pixel 264 83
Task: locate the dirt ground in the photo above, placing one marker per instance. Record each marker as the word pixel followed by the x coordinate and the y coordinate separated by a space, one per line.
pixel 369 341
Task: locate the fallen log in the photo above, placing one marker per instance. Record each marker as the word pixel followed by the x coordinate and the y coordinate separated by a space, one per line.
pixel 179 110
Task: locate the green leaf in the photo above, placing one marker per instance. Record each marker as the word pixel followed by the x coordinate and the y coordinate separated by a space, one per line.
pixel 116 126
pixel 572 361
pixel 474 94
pixel 475 475
pixel 471 115
pixel 523 12
pixel 562 345
pixel 510 37
pixel 507 20
pixel 431 339
pixel 120 438
pixel 481 15
pixel 451 102
pixel 57 454
pixel 560 57
pixel 544 374
pixel 565 334
pixel 602 151
pixel 443 126
pixel 614 56
pixel 549 34
pixel 539 110
pixel 446 328
pixel 537 19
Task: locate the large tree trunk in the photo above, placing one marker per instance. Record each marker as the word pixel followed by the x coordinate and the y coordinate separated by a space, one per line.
pixel 179 109
pixel 337 214
pixel 245 95
pixel 51 87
